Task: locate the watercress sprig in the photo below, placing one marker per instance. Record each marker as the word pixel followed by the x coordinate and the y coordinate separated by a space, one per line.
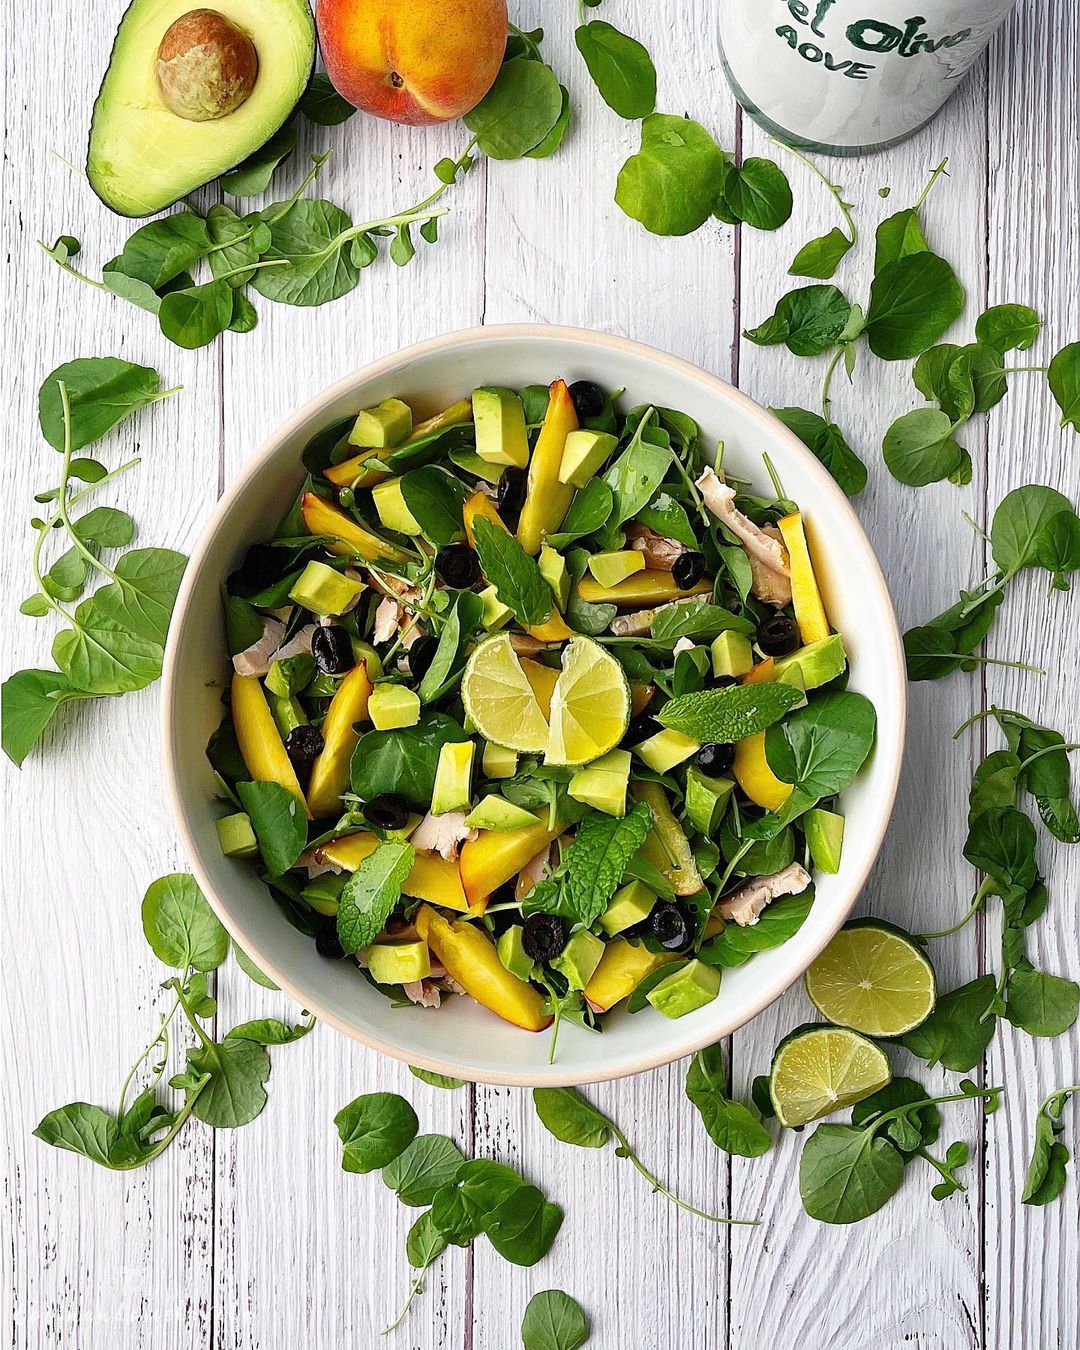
pixel 1046 1174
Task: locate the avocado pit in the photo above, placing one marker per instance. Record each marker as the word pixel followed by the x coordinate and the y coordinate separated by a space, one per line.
pixel 206 66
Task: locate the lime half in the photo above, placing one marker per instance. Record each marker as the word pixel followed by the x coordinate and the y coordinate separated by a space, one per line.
pixel 818 1070
pixel 590 704
pixel 873 979
pixel 500 700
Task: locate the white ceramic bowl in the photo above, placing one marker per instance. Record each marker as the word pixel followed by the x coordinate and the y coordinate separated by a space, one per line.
pixel 462 1038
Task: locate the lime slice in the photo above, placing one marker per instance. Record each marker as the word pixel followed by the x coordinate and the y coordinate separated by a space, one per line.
pixel 873 979
pixel 590 704
pixel 818 1070
pixel 500 700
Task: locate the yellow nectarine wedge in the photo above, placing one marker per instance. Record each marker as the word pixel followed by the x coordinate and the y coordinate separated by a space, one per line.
pixel 345 536
pixel 547 500
pixel 330 772
pixel 260 741
pixel 495 856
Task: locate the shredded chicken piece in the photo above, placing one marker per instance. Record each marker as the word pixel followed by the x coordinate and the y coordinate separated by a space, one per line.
pixel 639 623
pixel 660 551
pixel 451 986
pixel 684 644
pixel 255 660
pixel 535 870
pixel 768 557
pixel 389 616
pixel 744 906
pixel 423 993
pixel 297 645
pixel 442 834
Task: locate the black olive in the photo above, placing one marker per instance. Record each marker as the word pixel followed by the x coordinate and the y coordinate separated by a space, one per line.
pixel 511 491
pixel 778 635
pixel 720 681
pixel 714 758
pixel 588 399
pixel 543 936
pixel 458 566
pixel 388 812
pixel 261 567
pixel 668 925
pixel 421 655
pixel 331 647
pixel 304 745
pixel 687 570
pixel 327 942
pixel 641 728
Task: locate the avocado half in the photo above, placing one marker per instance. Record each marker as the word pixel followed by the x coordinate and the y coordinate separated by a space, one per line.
pixel 142 156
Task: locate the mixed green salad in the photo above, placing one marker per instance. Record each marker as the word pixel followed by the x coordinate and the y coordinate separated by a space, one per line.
pixel 532 701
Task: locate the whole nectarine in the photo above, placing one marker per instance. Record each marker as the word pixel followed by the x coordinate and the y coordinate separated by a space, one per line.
pixel 412 60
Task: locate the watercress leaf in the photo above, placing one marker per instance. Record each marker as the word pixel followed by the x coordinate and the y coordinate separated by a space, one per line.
pixel 1057 548
pixel 311 238
pixel 1063 373
pixel 101 391
pixel 731 1126
pixel 780 921
pixel 667 517
pixel 100 657
pixel 553 1321
pixel 1041 1004
pixel 1017 529
pixel 322 104
pixel 454 1218
pixel 65 580
pixel 554 138
pixel 402 248
pixel 485 1184
pixel 195 316
pixel 81 1128
pixel 919 448
pixel 518 111
pixel 1001 842
pixel 30 700
pixel 566 1114
pixel 729 714
pixel 424 1243
pixel 918 1128
pixel 251 970
pixel 959 1029
pixel 180 926
pixel 899 236
pixel 235 1094
pixel 808 321
pixel 436 498
pixel 1046 1173
pixel 1008 328
pixel 757 192
pixel 595 862
pixel 374 1129
pixel 363 251
pixel 846 1174
pixel 698 619
pixel 821 257
pixel 371 893
pixel 637 473
pixel 279 822
pixel 132 290
pixel 244 315
pixel 523 1226
pixel 820 748
pixel 671 184
pixel 450 655
pixel 404 760
pixel 165 248
pixel 827 442
pixel 589 511
pixel 621 68
pixel 270 1031
pixel 87 470
pixel 993 784
pixel 430 1162
pixel 35 606
pixel 514 574
pixel 142 598
pixel 936 649
pixel 439 1080
pixel 105 527
pixel 253 175
pixel 913 300
pixel 583 615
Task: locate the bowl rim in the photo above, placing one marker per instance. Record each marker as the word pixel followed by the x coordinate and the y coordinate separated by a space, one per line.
pixel 251 471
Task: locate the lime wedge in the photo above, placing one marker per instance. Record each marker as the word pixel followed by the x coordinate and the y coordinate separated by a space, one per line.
pixel 590 704
pixel 500 700
pixel 873 979
pixel 818 1070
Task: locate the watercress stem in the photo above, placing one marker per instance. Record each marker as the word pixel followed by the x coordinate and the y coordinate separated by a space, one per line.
pixel 976 905
pixel 933 179
pixel 845 210
pixel 826 384
pixel 625 1151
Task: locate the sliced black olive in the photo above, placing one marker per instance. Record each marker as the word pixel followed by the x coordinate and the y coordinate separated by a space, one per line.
pixel 543 936
pixel 719 681
pixel 513 484
pixel 331 647
pixel 641 728
pixel 458 566
pixel 421 655
pixel 714 758
pixel 778 635
pixel 687 570
pixel 327 942
pixel 388 812
pixel 303 745
pixel 668 925
pixel 588 399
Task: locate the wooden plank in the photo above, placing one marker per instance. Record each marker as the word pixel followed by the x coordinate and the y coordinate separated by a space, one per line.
pixel 1032 1254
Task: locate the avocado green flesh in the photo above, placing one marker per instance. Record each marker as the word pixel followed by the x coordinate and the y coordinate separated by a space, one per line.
pixel 142 157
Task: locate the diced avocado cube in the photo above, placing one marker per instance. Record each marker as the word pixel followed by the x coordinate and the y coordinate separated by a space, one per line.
pixel 628 906
pixel 583 453
pixel 453 778
pixel 324 590
pixel 611 568
pixel 706 799
pixel 391 508
pixel 494 614
pixel 688 989
pixel 365 652
pixel 498 761
pixel 732 654
pixel 666 749
pixel 553 570
pixel 289 677
pixel 603 783
pixel 236 837
pixel 819 662
pixel 513 955
pixel 287 713
pixel 499 421
pixel 388 423
pixel 392 705
pixel 824 832
pixel 579 958
pixel 323 893
pixel 496 813
pixel 398 962
pixel 793 675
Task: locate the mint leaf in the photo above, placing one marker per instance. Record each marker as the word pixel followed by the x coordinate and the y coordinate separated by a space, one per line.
pixel 371 893
pixel 596 860
pixel 515 576
pixel 727 715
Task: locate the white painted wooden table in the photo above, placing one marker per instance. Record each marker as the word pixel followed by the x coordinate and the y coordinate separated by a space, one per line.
pixel 257 1238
